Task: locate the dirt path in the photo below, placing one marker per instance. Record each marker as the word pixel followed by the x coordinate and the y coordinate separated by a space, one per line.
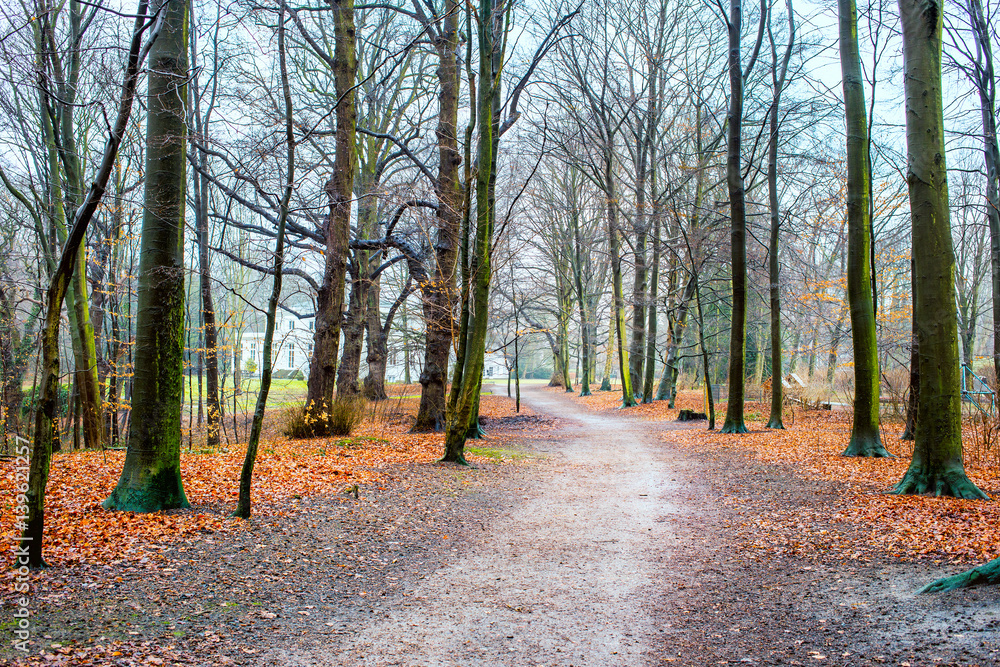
pixel 562 577
pixel 614 547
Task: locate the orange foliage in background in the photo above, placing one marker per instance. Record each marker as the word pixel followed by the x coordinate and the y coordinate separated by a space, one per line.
pixel 874 523
pixel 78 530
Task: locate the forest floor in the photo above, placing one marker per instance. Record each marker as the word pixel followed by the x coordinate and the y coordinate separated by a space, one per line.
pixel 581 536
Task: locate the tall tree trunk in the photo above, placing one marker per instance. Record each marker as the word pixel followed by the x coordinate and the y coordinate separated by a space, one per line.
pixel 738 232
pixel 610 355
pixel 774 267
pixel 210 348
pixel 581 299
pixel 32 511
pixel 564 291
pixel 374 384
pixel 378 337
pixel 243 507
pixel 910 429
pixel 650 370
pixel 618 298
pixel 151 477
pixel 636 353
pixel 937 451
pixel 439 296
pixel 339 191
pixel 491 25
pixel 66 76
pixel 76 297
pixel 865 437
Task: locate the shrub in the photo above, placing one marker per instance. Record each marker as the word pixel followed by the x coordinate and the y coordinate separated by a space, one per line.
pixel 345 415
pixel 297 425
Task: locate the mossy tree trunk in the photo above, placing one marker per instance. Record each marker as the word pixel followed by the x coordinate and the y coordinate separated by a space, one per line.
pixel 987 574
pixel 151 477
pixel 937 466
pixel 465 401
pixel 67 182
pixel 865 437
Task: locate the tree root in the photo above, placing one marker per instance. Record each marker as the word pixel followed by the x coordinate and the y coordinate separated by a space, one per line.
pixel 987 574
pixel 734 427
pixel 869 447
pixel 455 458
pixel 953 483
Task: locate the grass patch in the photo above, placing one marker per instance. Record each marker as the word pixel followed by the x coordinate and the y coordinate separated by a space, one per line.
pixel 360 441
pixel 498 454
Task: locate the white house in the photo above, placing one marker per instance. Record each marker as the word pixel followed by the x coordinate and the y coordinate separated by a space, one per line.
pixel 291 348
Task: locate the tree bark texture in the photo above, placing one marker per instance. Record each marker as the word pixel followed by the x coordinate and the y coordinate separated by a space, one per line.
pixel 439 296
pixel 353 325
pixel 151 477
pixel 339 191
pixel 937 466
pixel 465 411
pixel 738 233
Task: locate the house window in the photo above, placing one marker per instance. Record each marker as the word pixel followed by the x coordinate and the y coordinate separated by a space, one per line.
pixel 291 324
pixel 312 324
pixel 489 371
pixel 291 355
